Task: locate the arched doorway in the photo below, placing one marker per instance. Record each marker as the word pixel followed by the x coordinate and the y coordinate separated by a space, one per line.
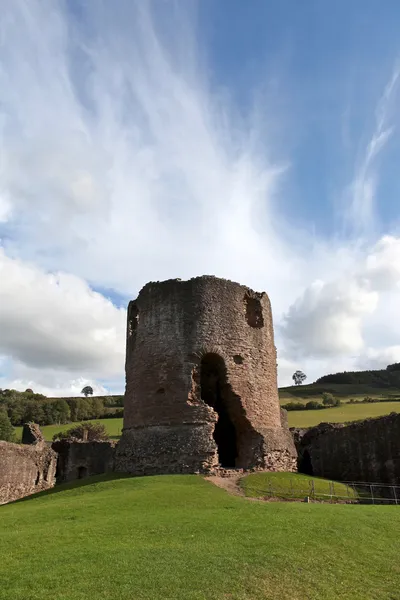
pixel 215 392
pixel 305 464
pixel 82 472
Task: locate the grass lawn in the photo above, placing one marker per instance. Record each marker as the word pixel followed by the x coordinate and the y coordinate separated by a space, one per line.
pixel 181 538
pixel 341 414
pixel 113 427
pixel 294 485
pixel 304 393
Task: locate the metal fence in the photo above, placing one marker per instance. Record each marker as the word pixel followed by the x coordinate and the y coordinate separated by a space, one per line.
pixel 318 490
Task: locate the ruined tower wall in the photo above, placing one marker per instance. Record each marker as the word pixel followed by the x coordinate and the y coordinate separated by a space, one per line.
pixel 171 326
pixel 25 470
pixel 364 451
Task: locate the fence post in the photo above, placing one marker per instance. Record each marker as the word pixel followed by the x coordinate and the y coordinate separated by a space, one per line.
pixel 372 494
pixel 330 491
pixel 395 495
pixel 312 490
pixel 270 490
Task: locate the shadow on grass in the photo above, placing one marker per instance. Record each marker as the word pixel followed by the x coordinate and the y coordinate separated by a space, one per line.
pixel 72 485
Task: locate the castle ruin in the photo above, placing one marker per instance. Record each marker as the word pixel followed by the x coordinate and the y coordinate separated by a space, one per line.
pixel 201 381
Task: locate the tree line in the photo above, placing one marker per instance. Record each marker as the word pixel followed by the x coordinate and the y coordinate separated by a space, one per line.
pixel 22 407
pixel 382 378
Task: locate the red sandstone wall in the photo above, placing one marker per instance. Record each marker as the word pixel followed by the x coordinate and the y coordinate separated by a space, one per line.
pixel 25 470
pixel 171 325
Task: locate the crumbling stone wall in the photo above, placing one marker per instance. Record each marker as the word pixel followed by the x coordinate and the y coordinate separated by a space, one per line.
pixel 201 383
pixel 78 459
pixel 362 451
pixel 26 469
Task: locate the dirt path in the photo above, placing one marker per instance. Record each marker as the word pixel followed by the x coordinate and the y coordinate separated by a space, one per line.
pixel 230 484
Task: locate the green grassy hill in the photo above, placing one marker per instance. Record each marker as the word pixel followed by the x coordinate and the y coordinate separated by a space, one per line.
pixel 113 427
pixel 303 418
pixel 341 414
pixel 181 538
pixel 344 391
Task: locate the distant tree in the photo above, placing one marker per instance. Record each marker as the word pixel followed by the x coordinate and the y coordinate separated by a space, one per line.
pixel 328 399
pixel 84 431
pixel 28 391
pixel 87 390
pixel 298 377
pixel 98 407
pixel 7 432
pixel 61 411
pixel 313 405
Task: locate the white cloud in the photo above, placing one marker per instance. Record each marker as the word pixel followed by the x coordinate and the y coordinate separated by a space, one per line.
pixel 378 358
pixel 55 320
pixel 326 320
pixel 120 164
pixel 383 264
pixel 329 317
pixel 361 195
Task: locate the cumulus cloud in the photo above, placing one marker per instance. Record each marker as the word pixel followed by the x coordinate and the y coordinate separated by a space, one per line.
pixel 120 163
pixel 382 268
pixel 329 317
pixel 378 358
pixel 55 320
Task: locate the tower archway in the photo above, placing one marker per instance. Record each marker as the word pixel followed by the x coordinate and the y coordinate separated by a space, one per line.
pixel 215 391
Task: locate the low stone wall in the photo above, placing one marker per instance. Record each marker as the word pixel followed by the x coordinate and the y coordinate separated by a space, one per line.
pixel 364 451
pixel 78 459
pixel 25 470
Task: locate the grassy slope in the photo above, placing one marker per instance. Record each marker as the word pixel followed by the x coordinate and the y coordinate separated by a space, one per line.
pixel 304 393
pixel 181 538
pixel 341 414
pixel 113 426
pixel 293 485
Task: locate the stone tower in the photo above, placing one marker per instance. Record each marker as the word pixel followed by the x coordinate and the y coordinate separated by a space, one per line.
pixel 201 383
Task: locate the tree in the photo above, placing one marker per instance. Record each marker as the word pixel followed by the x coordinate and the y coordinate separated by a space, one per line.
pixel 328 399
pixel 87 390
pixel 313 405
pixel 298 377
pixel 61 411
pixel 84 431
pixel 7 433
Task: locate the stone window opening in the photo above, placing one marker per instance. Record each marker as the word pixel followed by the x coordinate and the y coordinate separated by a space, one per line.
pixel 254 312
pixel 37 480
pixel 82 472
pixel 133 319
pixel 305 464
pixel 238 359
pixel 215 393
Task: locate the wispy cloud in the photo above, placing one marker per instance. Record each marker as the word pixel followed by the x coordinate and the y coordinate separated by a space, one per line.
pixel 130 167
pixel 121 161
pixel 361 195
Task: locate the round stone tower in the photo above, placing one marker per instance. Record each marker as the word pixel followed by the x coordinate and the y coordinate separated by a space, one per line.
pixel 201 383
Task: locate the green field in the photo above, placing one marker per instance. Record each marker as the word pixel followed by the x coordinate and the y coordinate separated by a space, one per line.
pixel 113 427
pixel 341 414
pixel 314 391
pixel 301 418
pixel 294 485
pixel 181 538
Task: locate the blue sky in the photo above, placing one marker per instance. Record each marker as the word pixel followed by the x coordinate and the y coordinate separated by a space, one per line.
pixel 257 141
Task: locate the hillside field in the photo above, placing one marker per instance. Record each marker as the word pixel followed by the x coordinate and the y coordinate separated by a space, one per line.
pixel 182 538
pixel 341 414
pixel 303 418
pixel 314 391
